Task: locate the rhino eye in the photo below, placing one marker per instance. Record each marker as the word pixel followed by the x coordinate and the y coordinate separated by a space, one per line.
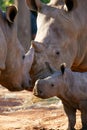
pixel 70 4
pixel 57 52
pixel 52 85
pixel 23 57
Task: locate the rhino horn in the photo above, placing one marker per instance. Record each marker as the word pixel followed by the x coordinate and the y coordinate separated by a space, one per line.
pixel 34 4
pixel 38 46
pixel 29 57
pixel 11 13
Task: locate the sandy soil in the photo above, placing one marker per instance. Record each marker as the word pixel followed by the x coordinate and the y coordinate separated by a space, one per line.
pixel 18 111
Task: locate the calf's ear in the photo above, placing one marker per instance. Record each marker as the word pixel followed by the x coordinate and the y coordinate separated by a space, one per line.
pixel 62 67
pixel 11 12
pixel 34 5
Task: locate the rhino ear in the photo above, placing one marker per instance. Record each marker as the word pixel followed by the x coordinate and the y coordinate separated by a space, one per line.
pixel 70 4
pixel 62 67
pixel 11 13
pixel 38 46
pixel 34 4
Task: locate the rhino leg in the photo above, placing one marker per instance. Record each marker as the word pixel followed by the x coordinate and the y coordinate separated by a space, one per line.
pixel 83 108
pixel 71 114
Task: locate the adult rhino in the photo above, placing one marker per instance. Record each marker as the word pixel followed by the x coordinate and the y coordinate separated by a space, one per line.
pixel 14 63
pixel 61 35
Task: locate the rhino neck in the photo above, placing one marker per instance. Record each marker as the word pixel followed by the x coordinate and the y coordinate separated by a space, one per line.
pixel 79 63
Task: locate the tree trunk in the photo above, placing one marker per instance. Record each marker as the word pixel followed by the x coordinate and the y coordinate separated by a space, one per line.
pixel 23 24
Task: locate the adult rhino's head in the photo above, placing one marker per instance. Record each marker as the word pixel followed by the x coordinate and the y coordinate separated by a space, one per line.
pixel 61 35
pixel 14 63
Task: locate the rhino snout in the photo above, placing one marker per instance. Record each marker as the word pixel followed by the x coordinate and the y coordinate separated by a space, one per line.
pixel 37 92
pixel 38 89
pixel 14 86
pixel 28 85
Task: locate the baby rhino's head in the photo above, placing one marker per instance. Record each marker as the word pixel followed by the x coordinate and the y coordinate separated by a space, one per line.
pixel 51 85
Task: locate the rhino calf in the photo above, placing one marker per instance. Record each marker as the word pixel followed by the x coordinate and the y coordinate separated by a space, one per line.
pixel 71 88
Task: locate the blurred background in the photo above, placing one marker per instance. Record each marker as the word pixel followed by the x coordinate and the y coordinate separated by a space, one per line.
pixel 26 21
pixel 23 21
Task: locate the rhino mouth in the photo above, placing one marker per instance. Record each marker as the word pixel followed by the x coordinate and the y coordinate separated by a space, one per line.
pixel 13 89
pixel 41 74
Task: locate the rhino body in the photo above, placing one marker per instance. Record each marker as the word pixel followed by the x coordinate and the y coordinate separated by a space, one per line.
pixel 71 88
pixel 14 63
pixel 61 36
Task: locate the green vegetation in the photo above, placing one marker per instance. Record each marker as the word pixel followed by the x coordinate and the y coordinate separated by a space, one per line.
pixel 5 3
pixel 45 1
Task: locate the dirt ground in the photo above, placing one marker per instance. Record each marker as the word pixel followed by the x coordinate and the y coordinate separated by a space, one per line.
pixel 21 111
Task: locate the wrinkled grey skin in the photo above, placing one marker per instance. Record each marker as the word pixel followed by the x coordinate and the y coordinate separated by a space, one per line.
pixel 71 88
pixel 14 63
pixel 61 36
